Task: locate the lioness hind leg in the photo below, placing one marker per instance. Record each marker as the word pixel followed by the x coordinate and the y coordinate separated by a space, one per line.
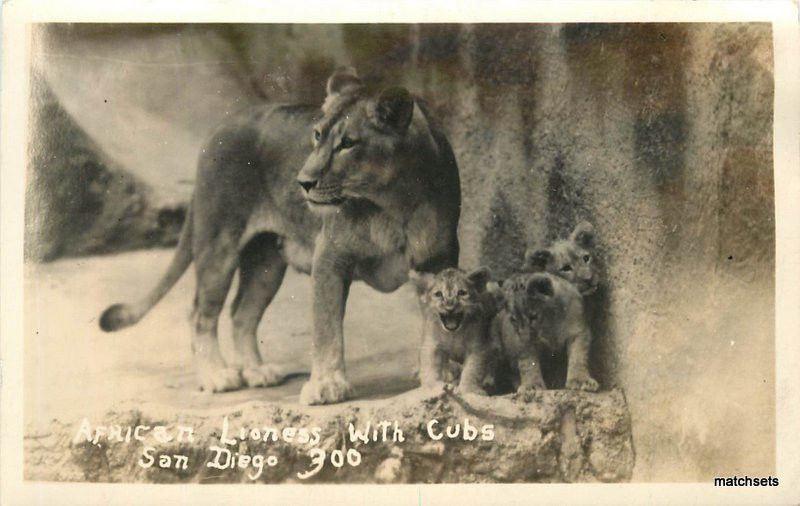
pixel 215 265
pixel 261 270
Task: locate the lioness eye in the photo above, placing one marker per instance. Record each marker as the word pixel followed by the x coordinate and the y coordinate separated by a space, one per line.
pixel 317 135
pixel 438 294
pixel 346 143
pixel 566 268
pixel 586 258
pixel 462 293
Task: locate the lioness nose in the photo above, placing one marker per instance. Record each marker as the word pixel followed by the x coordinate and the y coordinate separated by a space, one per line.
pixel 307 185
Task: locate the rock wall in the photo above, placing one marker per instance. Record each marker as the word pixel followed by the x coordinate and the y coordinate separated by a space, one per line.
pixel 80 202
pixel 661 135
pixel 556 436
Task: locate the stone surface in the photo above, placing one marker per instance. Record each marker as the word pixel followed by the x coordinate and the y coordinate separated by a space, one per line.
pixel 80 202
pixel 660 134
pixel 551 436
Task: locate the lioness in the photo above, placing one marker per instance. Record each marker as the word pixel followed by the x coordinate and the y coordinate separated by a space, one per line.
pixel 542 314
pixel 457 313
pixel 572 259
pixel 367 188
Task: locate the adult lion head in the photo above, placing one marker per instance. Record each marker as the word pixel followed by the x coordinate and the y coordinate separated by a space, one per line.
pixel 359 144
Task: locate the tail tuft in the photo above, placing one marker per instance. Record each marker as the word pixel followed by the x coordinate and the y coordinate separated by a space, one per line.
pixel 117 317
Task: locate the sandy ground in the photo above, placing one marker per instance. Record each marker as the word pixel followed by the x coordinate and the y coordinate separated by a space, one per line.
pixel 74 369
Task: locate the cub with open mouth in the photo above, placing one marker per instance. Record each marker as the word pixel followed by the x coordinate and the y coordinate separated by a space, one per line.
pixel 457 311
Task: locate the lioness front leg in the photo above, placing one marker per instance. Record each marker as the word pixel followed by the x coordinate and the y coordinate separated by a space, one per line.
pixel 578 377
pixel 331 284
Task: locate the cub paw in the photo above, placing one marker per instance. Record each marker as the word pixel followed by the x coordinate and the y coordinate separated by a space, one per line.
pixel 219 380
pixel 325 390
pixel 585 384
pixel 535 387
pixel 264 375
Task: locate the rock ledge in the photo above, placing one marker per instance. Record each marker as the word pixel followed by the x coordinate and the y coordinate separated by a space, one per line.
pixel 552 436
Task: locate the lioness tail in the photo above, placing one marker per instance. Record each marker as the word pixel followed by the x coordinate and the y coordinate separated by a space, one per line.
pixel 119 316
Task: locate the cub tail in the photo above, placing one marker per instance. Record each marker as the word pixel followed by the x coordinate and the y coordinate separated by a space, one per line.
pixel 119 316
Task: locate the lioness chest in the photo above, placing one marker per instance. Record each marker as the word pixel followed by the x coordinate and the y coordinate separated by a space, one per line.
pixel 378 245
pixel 381 249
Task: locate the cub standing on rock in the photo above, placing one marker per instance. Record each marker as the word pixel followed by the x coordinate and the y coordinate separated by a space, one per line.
pixel 541 314
pixel 365 188
pixel 572 259
pixel 457 313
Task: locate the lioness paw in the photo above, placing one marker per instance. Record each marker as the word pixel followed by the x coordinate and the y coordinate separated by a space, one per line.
pixel 434 387
pixel 264 375
pixel 325 390
pixel 585 384
pixel 469 389
pixel 219 380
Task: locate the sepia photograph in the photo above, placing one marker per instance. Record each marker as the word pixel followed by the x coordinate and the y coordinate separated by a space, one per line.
pixel 399 253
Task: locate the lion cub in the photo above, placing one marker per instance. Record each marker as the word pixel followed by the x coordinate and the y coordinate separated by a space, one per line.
pixel 457 313
pixel 572 259
pixel 541 314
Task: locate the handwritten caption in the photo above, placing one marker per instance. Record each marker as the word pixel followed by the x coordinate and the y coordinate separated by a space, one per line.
pixel 222 452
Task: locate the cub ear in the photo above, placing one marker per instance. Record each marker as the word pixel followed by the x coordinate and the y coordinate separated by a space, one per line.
pixel 394 108
pixel 583 235
pixel 479 277
pixel 536 259
pixel 342 80
pixel 539 284
pixel 421 280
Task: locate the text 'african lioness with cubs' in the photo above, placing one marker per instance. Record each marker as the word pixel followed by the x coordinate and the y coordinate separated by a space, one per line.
pixel 378 194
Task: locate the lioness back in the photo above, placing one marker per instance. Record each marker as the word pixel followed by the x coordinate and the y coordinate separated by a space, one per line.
pixel 256 155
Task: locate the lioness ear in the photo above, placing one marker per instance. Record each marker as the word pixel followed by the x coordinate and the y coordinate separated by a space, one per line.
pixel 536 259
pixel 394 108
pixel 539 284
pixel 479 277
pixel 342 80
pixel 421 280
pixel 583 235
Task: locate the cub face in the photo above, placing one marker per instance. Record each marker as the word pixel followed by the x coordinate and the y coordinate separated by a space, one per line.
pixel 452 296
pixel 572 259
pixel 356 145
